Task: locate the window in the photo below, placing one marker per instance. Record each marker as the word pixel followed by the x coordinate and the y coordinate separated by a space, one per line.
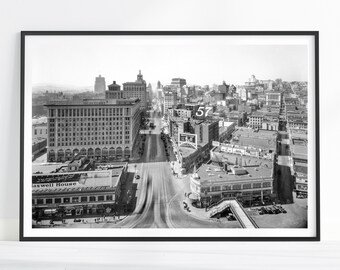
pixel 48 201
pixel 92 198
pixel 40 201
pixel 257 185
pixel 216 188
pixel 100 198
pixel 236 187
pixel 57 200
pixel 66 200
pixel 83 199
pixel 226 187
pixel 267 184
pixel 205 190
pixel 246 186
pixel 109 197
pixel 75 199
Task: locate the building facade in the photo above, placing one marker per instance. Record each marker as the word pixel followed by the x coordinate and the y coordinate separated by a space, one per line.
pixel 170 100
pixel 273 98
pixel 247 184
pixel 114 91
pixel 80 193
pixel 136 89
pixel 102 129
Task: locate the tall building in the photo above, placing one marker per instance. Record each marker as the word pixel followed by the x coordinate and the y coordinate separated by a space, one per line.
pixel 170 99
pixel 179 82
pixel 207 131
pixel 104 129
pixel 136 89
pixel 99 85
pixel 114 91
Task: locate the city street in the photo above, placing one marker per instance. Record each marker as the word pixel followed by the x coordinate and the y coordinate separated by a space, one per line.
pixel 159 194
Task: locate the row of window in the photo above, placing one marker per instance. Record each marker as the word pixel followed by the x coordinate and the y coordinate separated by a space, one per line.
pixel 236 187
pixel 84 199
pixel 89 112
pixel 91 123
pixel 52 144
pixel 40 131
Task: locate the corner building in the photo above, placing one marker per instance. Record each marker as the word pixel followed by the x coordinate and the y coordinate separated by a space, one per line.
pixel 101 129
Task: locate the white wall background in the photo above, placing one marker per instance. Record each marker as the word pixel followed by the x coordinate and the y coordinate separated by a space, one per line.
pixel 18 15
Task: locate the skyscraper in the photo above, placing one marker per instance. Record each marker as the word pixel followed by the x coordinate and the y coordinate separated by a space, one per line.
pixel 179 82
pixel 136 89
pixel 99 85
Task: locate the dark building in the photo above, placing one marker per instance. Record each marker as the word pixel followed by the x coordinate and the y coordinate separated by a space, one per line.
pixel 207 131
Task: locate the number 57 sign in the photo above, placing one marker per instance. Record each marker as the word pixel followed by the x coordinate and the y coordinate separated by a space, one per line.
pixel 203 111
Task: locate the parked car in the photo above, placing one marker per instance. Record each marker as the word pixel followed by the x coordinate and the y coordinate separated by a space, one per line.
pixel 282 210
pixel 269 210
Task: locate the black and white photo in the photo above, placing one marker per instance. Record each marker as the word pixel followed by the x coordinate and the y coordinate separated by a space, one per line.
pixel 169 135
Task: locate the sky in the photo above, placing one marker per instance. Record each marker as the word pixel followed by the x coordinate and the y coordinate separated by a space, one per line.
pixel 77 60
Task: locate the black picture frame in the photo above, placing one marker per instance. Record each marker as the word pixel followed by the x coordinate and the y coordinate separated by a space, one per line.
pixel 314 34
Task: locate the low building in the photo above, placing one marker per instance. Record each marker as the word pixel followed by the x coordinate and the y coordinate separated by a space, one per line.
pixel 76 193
pixel 299 157
pixel 262 139
pixel 301 178
pixel 190 157
pixel 38 145
pixel 39 130
pixel 182 113
pixel 247 184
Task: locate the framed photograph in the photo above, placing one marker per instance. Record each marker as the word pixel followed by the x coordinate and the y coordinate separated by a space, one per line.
pixel 169 136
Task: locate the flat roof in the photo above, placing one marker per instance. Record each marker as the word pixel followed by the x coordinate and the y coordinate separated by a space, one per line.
pixel 87 182
pixel 299 151
pixel 187 151
pixel 246 160
pixel 214 174
pixel 94 102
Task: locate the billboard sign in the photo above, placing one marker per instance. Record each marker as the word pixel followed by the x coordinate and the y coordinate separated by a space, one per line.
pixel 187 139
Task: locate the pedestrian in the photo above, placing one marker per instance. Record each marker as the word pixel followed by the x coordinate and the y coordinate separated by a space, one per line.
pixel 185 194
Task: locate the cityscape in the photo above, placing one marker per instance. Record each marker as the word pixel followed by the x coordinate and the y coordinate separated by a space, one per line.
pixel 153 146
pixel 176 155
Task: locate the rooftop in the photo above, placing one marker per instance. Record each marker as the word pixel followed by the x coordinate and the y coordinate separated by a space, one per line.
pixel 265 139
pixel 299 151
pixel 244 160
pixel 187 151
pixel 213 174
pixel 94 102
pixel 47 182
